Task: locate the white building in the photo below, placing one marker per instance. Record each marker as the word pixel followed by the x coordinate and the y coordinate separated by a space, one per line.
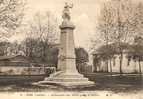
pixel 113 64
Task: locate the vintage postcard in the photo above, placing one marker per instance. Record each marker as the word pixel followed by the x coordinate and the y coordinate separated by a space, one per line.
pixel 71 49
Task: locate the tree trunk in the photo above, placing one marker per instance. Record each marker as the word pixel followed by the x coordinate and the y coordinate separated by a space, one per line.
pixel 44 53
pixel 95 68
pixel 121 59
pixel 107 65
pixel 95 64
pixel 110 67
pixel 140 71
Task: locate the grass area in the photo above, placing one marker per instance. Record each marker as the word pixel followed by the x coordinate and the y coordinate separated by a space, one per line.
pixel 107 78
pixel 103 82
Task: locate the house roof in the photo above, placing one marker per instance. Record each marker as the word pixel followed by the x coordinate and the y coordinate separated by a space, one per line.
pixel 9 57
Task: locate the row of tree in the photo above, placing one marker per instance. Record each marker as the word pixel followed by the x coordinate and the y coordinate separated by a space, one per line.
pixel 121 22
pixel 39 53
pixel 133 52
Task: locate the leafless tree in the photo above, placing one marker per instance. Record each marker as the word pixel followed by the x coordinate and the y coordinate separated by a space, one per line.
pixel 43 27
pixel 138 28
pixel 116 24
pixel 11 14
pixel 43 30
pixel 105 26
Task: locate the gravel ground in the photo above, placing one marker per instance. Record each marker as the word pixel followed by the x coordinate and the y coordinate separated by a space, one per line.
pixel 116 91
pixel 125 88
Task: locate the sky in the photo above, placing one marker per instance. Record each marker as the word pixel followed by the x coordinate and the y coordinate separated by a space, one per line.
pixel 84 16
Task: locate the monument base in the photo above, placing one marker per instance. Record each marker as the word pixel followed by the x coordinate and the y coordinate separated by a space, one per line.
pixel 66 80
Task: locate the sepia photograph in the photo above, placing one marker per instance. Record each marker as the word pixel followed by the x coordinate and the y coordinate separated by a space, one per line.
pixel 71 49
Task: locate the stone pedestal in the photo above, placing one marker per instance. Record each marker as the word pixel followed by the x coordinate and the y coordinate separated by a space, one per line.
pixel 67 74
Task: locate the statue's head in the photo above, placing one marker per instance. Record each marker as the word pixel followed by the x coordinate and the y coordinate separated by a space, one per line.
pixel 66 11
pixel 68 5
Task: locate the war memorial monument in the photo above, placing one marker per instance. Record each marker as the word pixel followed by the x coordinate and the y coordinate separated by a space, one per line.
pixel 66 74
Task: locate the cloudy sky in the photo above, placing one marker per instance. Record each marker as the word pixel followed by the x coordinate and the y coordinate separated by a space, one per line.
pixel 84 16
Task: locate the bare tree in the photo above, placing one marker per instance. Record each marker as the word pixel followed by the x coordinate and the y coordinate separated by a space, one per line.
pixel 105 26
pixel 43 27
pixel 11 14
pixel 138 20
pixel 138 51
pixel 138 40
pixel 43 30
pixel 123 27
pixel 116 24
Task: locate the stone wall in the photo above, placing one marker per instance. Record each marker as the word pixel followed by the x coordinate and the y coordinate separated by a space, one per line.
pixel 13 70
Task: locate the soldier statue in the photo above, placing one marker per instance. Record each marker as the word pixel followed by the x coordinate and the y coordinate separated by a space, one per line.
pixel 66 11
